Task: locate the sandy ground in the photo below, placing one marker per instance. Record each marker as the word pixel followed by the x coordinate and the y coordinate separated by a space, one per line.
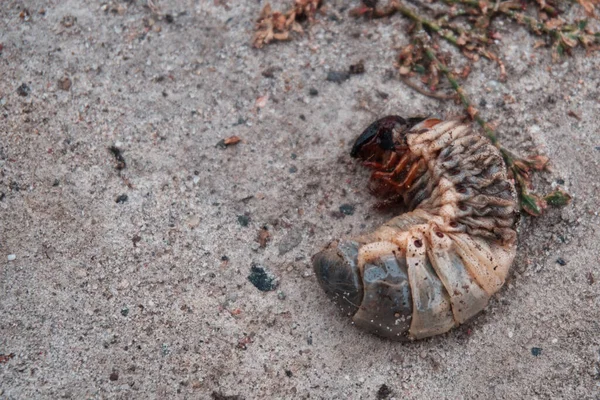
pixel 133 283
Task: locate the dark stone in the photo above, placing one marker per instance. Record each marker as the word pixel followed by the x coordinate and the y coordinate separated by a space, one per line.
pixel 347 209
pixel 338 76
pixel 262 279
pixel 116 152
pixel 122 199
pixel 536 351
pixel 356 69
pixel 313 92
pixel 243 220
pixel 114 376
pixel 384 392
pixel 23 90
pixel 561 262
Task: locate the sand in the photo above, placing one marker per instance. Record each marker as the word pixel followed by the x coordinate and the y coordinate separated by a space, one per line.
pixel 127 277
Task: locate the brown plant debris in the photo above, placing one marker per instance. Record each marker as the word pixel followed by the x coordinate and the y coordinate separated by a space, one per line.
pixel 275 25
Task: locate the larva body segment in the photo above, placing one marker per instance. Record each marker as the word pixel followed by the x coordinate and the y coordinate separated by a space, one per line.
pixel 437 265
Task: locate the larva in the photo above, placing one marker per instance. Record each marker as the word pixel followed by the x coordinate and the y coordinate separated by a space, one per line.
pixel 437 265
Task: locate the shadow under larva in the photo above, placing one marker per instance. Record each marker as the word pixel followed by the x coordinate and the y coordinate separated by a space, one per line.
pixel 437 265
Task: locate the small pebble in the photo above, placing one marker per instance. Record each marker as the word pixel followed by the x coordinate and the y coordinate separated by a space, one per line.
pixel 122 199
pixel 11 257
pixel 64 84
pixel 561 262
pixel 358 68
pixel 293 169
pixel 262 279
pixel 382 95
pixel 23 90
pixel 347 209
pixel 314 92
pixel 536 351
pixel 384 392
pixel 243 220
pixel 337 76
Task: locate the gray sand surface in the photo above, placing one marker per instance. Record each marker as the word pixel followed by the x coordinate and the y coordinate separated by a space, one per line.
pixel 148 296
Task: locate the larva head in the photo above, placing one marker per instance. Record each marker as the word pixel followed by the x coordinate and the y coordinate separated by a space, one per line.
pixel 383 147
pixel 380 139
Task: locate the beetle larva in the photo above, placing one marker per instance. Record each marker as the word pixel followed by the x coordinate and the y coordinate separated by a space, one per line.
pixel 435 266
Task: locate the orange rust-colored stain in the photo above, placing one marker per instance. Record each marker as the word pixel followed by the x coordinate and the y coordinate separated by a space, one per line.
pixel 430 123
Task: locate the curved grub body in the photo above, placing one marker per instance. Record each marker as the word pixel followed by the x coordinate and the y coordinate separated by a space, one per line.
pixel 437 265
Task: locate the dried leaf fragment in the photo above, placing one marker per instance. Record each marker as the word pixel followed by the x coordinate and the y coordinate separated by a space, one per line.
pixel 532 204
pixel 558 198
pixel 588 6
pixel 275 25
pixel 231 140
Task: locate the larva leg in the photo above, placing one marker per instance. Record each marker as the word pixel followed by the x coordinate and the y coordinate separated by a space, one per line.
pixel 397 170
pixel 412 175
pixel 389 164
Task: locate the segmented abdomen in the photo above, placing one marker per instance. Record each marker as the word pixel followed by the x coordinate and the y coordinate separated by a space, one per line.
pixel 436 266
